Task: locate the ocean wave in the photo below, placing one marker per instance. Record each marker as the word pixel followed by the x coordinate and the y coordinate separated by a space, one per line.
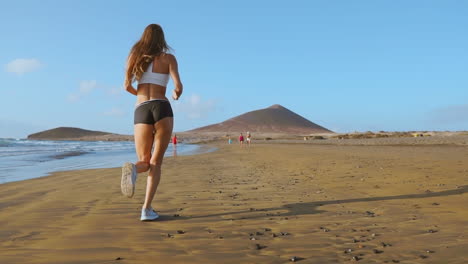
pixel 5 142
pixel 68 154
pixel 19 147
pixel 31 160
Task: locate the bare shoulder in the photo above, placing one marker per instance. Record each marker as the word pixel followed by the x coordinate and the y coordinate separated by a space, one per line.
pixel 170 57
pixel 166 58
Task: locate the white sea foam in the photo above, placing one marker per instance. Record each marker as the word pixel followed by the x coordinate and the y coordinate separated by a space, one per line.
pixel 26 159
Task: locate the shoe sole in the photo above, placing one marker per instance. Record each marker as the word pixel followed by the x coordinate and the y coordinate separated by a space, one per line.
pixel 126 185
pixel 148 220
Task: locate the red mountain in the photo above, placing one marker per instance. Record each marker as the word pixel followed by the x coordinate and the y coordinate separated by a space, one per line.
pixel 274 119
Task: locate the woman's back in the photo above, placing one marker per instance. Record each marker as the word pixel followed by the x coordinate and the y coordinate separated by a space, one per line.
pixel 152 81
pixel 149 91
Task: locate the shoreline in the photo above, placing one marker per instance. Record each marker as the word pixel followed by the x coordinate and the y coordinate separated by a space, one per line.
pixel 441 138
pixel 266 204
pixel 71 160
pixel 331 138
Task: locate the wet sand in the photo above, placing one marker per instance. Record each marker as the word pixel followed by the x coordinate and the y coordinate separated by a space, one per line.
pixel 266 204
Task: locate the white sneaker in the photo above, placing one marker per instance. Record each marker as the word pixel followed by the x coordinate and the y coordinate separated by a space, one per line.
pixel 129 176
pixel 148 214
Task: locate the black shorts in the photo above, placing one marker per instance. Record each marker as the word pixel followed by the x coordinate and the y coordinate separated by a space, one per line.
pixel 152 111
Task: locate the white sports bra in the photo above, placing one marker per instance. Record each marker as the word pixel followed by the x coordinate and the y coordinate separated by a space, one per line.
pixel 154 77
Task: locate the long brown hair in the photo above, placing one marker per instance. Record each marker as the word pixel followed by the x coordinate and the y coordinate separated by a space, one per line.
pixel 151 44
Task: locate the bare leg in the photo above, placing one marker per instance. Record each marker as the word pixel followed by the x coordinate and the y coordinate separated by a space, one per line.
pixel 162 137
pixel 143 144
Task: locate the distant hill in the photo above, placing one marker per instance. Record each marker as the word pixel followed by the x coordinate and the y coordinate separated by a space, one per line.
pixel 274 119
pixel 66 133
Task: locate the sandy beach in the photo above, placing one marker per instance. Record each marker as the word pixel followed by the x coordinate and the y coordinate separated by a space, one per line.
pixel 264 204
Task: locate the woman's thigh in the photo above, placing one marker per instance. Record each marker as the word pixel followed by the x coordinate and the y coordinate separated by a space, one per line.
pixel 162 137
pixel 144 135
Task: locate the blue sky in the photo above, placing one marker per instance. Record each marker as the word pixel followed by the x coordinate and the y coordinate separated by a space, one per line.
pixel 345 65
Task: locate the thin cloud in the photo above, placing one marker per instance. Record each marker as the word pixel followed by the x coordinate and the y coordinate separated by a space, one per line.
pixel 84 88
pixel 73 97
pixel 114 112
pixel 194 107
pixel 87 86
pixel 22 66
pixel 115 90
pixel 452 114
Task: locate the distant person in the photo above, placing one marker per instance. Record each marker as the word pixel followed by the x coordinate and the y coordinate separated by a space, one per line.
pixel 174 140
pixel 241 139
pixel 150 65
pixel 174 151
pixel 229 140
pixel 249 138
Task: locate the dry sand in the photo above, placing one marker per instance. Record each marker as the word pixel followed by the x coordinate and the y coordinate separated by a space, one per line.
pixel 386 204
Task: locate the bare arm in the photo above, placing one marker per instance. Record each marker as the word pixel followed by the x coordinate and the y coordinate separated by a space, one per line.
pixel 174 71
pixel 129 88
pixel 128 83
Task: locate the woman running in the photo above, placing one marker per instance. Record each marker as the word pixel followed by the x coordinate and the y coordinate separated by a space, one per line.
pixel 150 65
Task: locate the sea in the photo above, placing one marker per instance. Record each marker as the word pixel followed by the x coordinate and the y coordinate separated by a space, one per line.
pixel 22 159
